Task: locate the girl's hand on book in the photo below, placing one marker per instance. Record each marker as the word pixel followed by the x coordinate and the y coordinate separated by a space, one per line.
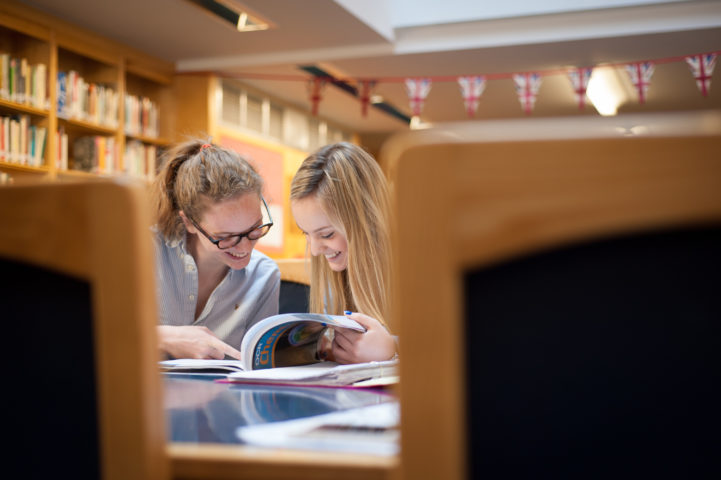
pixel 375 344
pixel 193 342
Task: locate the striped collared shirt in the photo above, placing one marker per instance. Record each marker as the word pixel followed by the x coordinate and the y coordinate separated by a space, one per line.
pixel 240 300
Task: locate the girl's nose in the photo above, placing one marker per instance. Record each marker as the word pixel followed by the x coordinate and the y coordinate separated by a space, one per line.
pixel 245 245
pixel 314 247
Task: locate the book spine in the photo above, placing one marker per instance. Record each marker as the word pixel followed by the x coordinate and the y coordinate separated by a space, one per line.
pixel 41 92
pixel 6 137
pixel 3 140
pixel 4 75
pixel 24 125
pixel 40 140
pixel 31 146
pixel 12 77
pixel 14 140
pixel 25 76
pixel 62 94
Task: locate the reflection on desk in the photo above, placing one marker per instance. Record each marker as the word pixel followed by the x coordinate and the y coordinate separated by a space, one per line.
pixel 200 410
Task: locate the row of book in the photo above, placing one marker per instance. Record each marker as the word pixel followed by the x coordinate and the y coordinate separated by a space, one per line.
pixel 140 159
pixel 86 101
pixel 141 116
pixel 92 153
pixel 22 82
pixel 21 142
pixel 78 99
pixel 99 154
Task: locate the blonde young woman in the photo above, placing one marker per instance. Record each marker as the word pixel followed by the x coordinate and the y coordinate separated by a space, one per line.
pixel 212 284
pixel 339 199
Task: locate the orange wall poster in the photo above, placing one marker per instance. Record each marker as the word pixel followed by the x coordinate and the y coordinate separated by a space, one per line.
pixel 269 164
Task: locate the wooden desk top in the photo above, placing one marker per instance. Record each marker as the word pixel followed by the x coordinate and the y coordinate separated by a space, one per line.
pixel 203 415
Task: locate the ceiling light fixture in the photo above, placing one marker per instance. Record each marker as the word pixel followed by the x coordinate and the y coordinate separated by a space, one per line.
pixel 605 91
pixel 418 124
pixel 232 13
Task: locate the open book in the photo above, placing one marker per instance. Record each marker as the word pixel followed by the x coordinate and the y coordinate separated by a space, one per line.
pixel 279 341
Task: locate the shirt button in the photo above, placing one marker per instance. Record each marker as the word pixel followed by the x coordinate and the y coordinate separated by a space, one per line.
pixel 191 297
pixel 190 268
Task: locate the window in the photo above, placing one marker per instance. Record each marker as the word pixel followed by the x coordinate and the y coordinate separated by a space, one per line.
pixel 314 139
pixel 263 116
pixel 295 129
pixel 254 113
pixel 231 105
pixel 276 121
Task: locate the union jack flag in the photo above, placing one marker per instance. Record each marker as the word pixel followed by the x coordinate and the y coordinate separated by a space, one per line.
pixel 579 79
pixel 315 87
pixel 418 89
pixel 640 74
pixel 702 68
pixel 365 95
pixel 527 85
pixel 471 88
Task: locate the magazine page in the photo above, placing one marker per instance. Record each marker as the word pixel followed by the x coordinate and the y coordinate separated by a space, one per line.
pixel 369 430
pixel 270 403
pixel 289 339
pixel 201 365
pixel 323 374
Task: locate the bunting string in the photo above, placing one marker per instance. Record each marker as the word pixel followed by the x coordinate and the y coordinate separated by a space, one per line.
pixel 472 86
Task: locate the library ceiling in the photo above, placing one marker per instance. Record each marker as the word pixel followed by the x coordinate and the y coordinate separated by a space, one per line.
pixel 374 65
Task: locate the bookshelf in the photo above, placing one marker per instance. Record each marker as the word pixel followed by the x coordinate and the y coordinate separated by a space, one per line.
pixel 146 132
pixel 24 107
pixel 98 107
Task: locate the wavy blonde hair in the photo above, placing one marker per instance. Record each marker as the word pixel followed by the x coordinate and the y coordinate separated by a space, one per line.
pixel 194 175
pixel 352 191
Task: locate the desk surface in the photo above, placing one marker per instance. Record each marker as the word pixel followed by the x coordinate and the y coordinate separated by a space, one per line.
pixel 203 416
pixel 201 410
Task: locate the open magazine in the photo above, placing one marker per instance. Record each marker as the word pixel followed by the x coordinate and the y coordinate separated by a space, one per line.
pixel 368 374
pixel 279 341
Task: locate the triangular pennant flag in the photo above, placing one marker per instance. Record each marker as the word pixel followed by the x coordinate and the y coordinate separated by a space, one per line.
pixel 418 89
pixel 579 79
pixel 527 85
pixel 471 88
pixel 640 74
pixel 365 95
pixel 315 87
pixel 702 68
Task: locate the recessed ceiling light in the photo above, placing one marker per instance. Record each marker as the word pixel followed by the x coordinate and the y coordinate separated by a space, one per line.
pixel 233 13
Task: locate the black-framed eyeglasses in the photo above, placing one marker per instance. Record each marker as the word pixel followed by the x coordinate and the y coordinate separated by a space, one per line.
pixel 233 240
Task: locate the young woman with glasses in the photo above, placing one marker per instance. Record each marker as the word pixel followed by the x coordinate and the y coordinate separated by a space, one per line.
pixel 212 284
pixel 339 199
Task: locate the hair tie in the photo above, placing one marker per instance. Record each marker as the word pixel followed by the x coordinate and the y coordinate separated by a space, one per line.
pixel 204 146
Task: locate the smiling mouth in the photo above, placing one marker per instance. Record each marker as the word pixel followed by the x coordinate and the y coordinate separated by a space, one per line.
pixel 332 256
pixel 237 256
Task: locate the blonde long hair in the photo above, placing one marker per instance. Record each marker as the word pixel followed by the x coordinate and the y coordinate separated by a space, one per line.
pixel 352 191
pixel 195 174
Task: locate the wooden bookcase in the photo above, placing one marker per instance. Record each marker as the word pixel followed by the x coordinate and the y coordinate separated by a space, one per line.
pixel 103 65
